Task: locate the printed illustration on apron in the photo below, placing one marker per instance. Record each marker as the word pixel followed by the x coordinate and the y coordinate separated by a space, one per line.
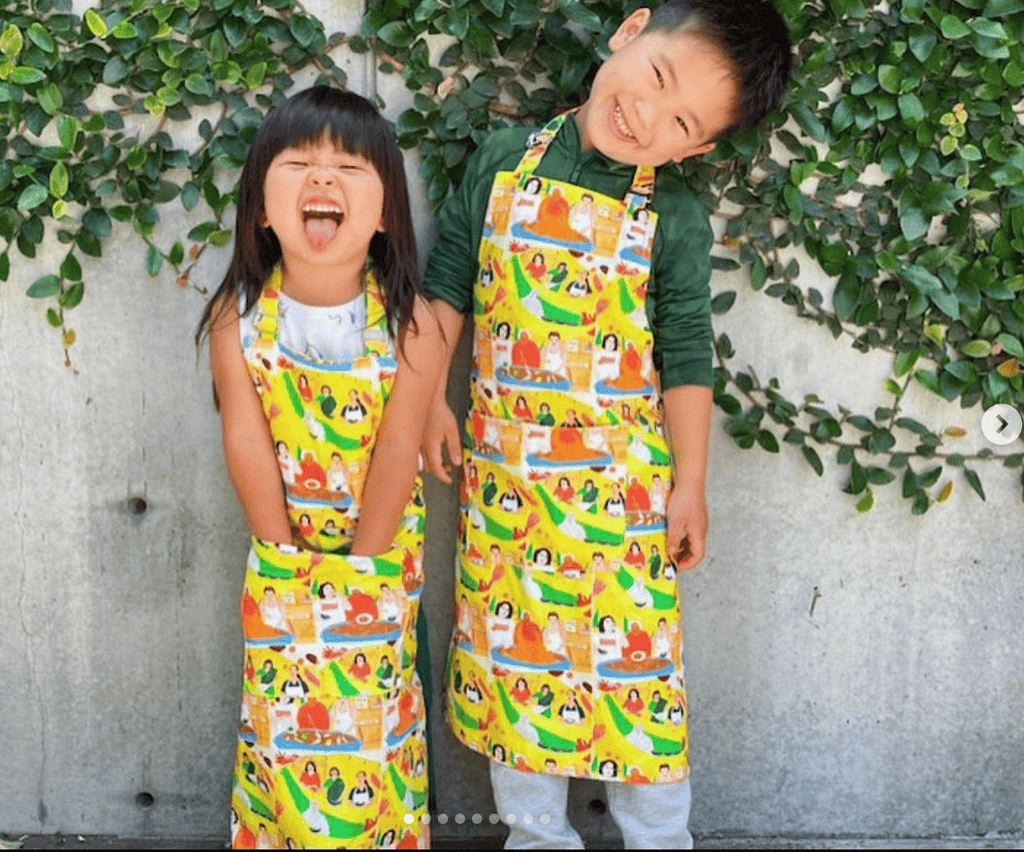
pixel 332 745
pixel 567 647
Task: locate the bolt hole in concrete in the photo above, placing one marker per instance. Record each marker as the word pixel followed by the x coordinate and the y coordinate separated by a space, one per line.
pixel 144 800
pixel 597 807
pixel 137 505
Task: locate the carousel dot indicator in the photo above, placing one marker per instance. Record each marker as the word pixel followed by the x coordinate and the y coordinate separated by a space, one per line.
pixel 494 819
pixel 545 818
pixel 511 819
pixel 442 818
pixel 477 819
pixel 409 818
pixel 528 818
pixel 460 818
pixel 425 819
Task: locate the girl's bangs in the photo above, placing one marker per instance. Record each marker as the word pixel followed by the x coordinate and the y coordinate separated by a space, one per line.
pixel 350 122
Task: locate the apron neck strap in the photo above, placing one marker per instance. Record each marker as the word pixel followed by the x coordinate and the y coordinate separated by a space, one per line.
pixel 266 318
pixel 640 190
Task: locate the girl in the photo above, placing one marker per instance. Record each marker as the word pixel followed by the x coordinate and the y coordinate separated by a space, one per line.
pixel 325 251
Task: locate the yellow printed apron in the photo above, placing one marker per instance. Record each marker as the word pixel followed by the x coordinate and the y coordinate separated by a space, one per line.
pixel 332 747
pixel 567 650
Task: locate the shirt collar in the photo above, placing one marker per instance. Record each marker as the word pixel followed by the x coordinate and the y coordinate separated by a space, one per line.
pixel 568 144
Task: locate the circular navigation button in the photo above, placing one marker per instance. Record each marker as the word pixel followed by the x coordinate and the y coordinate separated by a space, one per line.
pixel 1002 424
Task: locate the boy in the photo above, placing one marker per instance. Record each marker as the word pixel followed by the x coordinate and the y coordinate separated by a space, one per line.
pixel 633 365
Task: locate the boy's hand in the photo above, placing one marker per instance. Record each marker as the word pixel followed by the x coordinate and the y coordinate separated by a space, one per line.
pixel 687 515
pixel 442 430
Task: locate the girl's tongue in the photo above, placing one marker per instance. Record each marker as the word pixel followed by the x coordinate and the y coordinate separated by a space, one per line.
pixel 320 230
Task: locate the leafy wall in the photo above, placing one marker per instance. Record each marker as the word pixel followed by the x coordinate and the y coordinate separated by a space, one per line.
pixel 897 168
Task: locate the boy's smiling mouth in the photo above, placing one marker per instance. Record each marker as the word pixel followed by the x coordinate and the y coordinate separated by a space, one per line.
pixel 321 218
pixel 620 122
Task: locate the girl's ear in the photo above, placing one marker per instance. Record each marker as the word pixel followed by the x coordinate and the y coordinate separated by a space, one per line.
pixel 629 29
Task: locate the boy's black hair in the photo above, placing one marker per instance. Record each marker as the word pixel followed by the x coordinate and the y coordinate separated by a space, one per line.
pixel 753 38
pixel 354 124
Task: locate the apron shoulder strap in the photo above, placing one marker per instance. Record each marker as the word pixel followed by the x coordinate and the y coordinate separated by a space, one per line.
pixel 537 144
pixel 267 307
pixel 642 189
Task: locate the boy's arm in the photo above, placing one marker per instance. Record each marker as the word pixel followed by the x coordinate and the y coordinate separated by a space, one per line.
pixel 395 459
pixel 688 420
pixel 248 445
pixel 683 355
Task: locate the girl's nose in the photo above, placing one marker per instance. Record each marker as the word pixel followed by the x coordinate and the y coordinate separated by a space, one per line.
pixel 321 175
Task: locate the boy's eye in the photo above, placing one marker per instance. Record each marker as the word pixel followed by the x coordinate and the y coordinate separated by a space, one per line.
pixel 682 124
pixel 657 73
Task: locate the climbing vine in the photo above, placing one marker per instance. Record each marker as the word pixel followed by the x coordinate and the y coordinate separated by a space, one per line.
pixel 897 167
pixel 916 90
pixel 71 163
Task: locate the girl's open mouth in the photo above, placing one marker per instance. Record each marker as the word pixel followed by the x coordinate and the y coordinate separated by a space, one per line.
pixel 321 222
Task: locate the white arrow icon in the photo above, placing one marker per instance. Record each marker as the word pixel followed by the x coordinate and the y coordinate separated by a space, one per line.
pixel 1002 424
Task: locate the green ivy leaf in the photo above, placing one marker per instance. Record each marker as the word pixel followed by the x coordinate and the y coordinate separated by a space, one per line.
pixel 11 42
pixel 41 37
pixel 95 23
pixel 847 295
pixel 71 268
pixel 723 301
pixel 911 108
pixel 974 481
pixel 984 27
pixel 768 441
pixel 59 180
pixel 889 77
pixel 124 30
pixel 1011 344
pixel 977 349
pixel 866 503
pixel 42 288
pixel 813 459
pixel 71 297
pixel 115 70
pixel 154 260
pixel 25 76
pixel 913 223
pixel 953 28
pixel 31 197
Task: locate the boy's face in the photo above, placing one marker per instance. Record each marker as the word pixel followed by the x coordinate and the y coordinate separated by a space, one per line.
pixel 660 96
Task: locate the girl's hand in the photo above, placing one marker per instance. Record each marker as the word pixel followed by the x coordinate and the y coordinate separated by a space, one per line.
pixel 442 431
pixel 687 515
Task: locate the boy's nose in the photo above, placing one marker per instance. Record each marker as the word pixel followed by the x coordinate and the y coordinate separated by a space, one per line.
pixel 646 115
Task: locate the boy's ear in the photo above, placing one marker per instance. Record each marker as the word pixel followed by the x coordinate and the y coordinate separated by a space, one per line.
pixel 629 29
pixel 696 152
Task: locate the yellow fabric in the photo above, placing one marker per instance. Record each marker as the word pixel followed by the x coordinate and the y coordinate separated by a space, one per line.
pixel 567 651
pixel 332 745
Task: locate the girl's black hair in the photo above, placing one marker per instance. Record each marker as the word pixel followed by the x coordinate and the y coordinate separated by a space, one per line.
pixel 353 124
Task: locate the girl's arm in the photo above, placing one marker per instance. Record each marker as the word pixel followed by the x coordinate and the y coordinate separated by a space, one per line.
pixel 396 455
pixel 248 446
pixel 442 429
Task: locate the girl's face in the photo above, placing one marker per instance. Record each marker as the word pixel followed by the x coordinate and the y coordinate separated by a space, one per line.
pixel 323 204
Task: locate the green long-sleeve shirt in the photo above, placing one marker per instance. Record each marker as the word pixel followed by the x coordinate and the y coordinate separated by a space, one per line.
pixel 678 296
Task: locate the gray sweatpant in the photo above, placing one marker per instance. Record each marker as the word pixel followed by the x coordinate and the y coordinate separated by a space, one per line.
pixel 533 806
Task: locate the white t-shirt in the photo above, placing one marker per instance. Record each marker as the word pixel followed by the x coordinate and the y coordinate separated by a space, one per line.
pixel 323 335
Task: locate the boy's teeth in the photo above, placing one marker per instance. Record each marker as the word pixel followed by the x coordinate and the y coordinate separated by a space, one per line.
pixel 620 122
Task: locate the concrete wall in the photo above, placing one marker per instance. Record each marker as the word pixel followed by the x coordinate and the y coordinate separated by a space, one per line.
pixel 849 674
